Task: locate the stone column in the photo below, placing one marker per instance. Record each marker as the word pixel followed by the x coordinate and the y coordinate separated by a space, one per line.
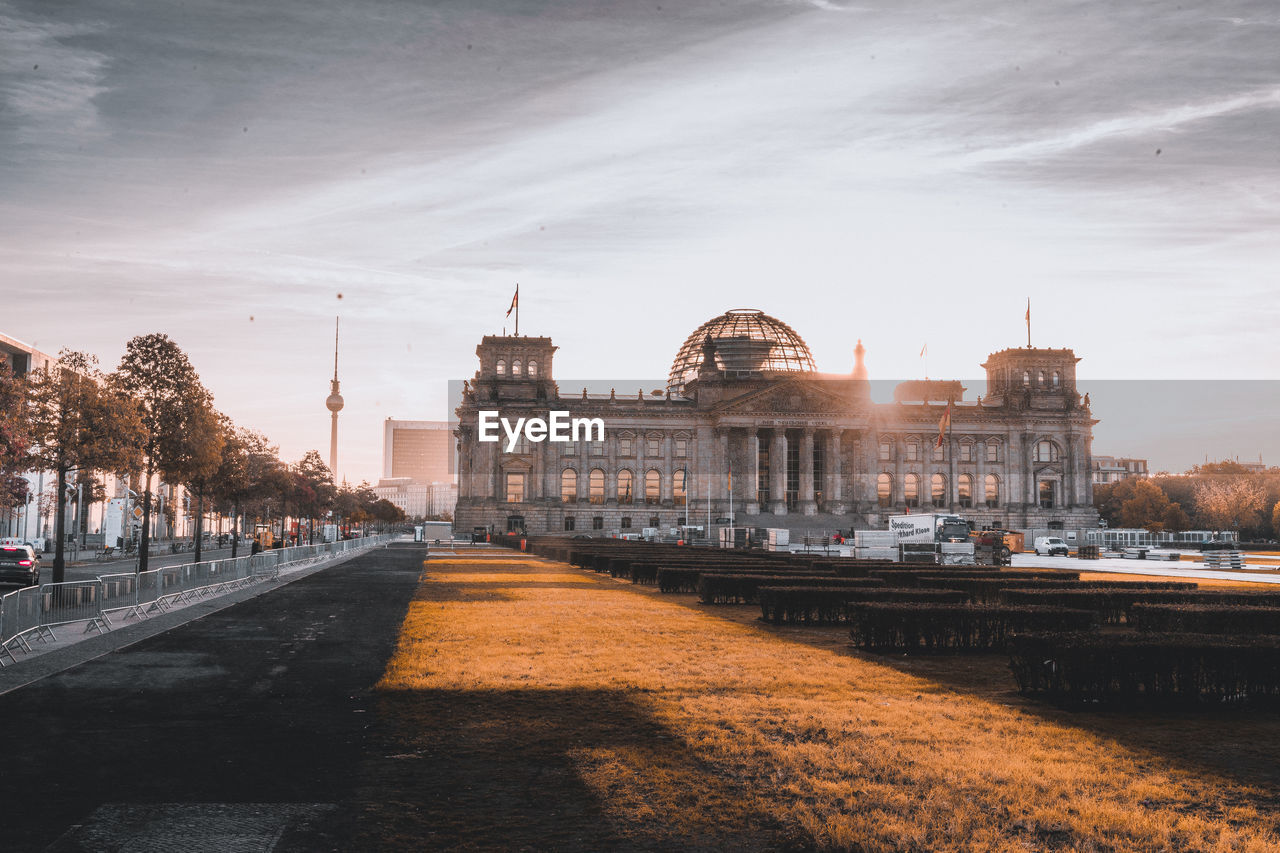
pixel 753 472
pixel 807 504
pixel 778 472
pixel 667 468
pixel 831 487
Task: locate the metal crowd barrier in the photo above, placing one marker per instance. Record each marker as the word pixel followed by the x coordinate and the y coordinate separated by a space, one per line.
pixel 31 614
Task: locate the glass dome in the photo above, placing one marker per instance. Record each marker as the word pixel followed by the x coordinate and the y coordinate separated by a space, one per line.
pixel 745 340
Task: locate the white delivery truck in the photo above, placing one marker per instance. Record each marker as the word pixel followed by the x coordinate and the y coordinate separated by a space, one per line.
pixel 935 537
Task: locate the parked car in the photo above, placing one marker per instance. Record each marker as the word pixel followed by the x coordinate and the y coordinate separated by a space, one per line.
pixel 19 565
pixel 1052 546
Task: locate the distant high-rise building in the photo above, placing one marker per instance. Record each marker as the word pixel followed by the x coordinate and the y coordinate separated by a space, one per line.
pixel 419 450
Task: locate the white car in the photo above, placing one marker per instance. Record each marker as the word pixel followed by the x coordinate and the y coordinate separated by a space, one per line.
pixel 1051 546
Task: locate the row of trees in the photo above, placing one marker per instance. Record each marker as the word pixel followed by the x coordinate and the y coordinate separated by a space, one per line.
pixel 152 419
pixel 1215 496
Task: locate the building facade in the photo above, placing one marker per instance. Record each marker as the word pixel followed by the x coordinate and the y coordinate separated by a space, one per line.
pixel 749 430
pixel 1113 469
pixel 416 472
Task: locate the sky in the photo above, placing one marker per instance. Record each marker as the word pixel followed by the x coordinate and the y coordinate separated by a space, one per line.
pixel 237 174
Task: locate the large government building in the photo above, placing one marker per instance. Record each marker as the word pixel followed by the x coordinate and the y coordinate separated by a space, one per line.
pixel 749 429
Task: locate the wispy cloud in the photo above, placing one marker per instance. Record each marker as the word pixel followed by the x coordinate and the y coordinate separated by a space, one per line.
pixel 47 87
pixel 1134 124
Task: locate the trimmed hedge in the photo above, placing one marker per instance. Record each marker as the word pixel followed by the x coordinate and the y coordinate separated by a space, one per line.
pixel 1147 669
pixel 816 605
pixel 937 628
pixel 1113 606
pixel 1205 619
pixel 741 588
pixel 989 589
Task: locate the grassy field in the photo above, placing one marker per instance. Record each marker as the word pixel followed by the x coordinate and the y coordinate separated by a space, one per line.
pixel 561 710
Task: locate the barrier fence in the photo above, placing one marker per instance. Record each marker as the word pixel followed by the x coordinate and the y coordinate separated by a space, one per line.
pixel 30 614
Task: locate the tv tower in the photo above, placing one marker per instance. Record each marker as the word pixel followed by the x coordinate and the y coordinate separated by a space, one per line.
pixel 334 404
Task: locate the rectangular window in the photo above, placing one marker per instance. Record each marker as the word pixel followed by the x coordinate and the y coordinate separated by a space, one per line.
pixel 597 448
pixel 624 446
pixel 886 451
pixel 597 522
pixel 652 446
pixel 625 522
pixel 568 522
pixel 966 453
pixel 993 452
pixel 939 453
pixel 653 521
pixel 569 448
pixel 515 487
pixel 913 452
pixel 682 447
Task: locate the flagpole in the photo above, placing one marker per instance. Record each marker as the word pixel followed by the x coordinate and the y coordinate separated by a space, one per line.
pixel 1028 322
pixel 518 310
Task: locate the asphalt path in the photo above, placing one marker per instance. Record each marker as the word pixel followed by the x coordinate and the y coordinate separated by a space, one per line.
pixel 244 729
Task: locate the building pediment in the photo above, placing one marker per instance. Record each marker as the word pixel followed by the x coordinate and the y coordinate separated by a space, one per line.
pixel 788 398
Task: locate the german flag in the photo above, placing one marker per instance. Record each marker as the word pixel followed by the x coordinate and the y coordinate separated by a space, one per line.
pixel 944 426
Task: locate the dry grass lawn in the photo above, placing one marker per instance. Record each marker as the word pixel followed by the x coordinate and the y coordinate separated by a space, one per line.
pixel 644 721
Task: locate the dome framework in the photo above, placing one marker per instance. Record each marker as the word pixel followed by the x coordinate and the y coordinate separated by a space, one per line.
pixel 745 339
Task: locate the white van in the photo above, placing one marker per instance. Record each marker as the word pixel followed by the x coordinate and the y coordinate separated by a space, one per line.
pixel 1051 546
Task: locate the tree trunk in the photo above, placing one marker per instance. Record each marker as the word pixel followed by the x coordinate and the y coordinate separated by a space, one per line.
pixel 235 528
pixel 199 523
pixel 59 527
pixel 144 539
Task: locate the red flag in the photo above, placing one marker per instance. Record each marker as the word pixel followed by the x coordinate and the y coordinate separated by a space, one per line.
pixel 515 300
pixel 944 425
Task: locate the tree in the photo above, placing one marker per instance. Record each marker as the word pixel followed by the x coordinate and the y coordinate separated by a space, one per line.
pixel 246 456
pixel 385 511
pixel 1146 508
pixel 206 432
pixel 173 407
pixel 15 438
pixel 79 423
pixel 1275 519
pixel 313 488
pixel 1231 503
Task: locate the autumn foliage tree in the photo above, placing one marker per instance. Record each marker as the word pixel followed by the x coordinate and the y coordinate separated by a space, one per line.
pixel 15 438
pixel 1230 503
pixel 79 423
pixel 175 409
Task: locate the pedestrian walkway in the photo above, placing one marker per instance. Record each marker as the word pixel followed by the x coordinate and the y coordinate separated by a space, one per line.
pixel 239 730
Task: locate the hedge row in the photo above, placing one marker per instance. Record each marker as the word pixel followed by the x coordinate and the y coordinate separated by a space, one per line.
pixel 935 628
pixel 742 588
pixel 1205 619
pixel 832 605
pixel 989 589
pixel 914 576
pixel 1114 606
pixel 1147 669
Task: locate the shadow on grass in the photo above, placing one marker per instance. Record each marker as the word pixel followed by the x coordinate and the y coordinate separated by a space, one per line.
pixel 1241 744
pixel 514 770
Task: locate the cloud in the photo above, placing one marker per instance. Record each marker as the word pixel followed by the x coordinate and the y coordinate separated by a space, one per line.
pixel 47 87
pixel 1139 123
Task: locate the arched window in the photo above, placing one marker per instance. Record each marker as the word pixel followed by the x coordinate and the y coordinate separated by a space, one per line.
pixel 652 486
pixel 501 367
pixel 1057 379
pixel 911 490
pixel 1046 451
pixel 568 485
pixel 626 486
pixel 1026 378
pixel 515 367
pixel 938 490
pixel 884 489
pixel 678 487
pixel 595 486
pixel 1040 378
pixel 993 491
pixel 533 367
pixel 964 488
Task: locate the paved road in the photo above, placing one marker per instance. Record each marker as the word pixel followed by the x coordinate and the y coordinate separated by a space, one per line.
pixel 247 725
pixel 1163 568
